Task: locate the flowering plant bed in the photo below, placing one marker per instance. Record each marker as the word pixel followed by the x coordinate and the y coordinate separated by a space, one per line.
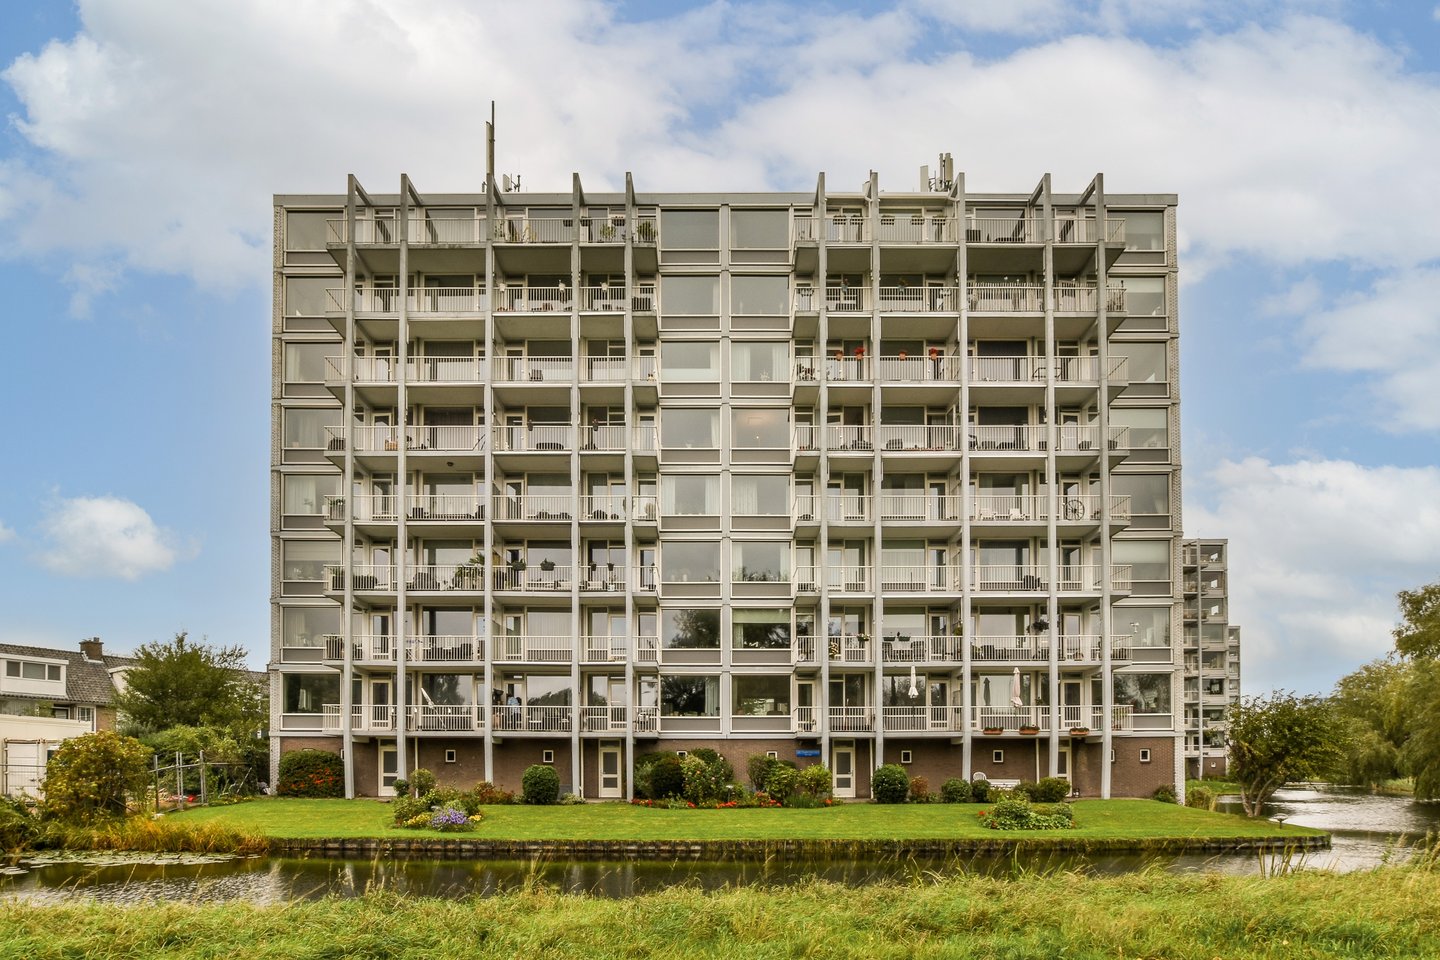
pixel 1029 730
pixel 448 820
pixel 1079 731
pixel 994 731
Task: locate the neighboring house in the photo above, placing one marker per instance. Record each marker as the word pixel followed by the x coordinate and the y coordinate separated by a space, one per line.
pixel 49 695
pixel 845 474
pixel 1212 656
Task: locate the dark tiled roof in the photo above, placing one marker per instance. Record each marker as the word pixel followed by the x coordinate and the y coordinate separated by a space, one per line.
pixel 85 680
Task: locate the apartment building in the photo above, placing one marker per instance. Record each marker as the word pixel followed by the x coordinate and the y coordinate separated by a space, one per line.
pixel 846 475
pixel 1211 655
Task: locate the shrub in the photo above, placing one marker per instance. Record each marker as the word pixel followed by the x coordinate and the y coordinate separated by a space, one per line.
pixel 405 808
pixel 666 778
pixel 890 784
pixel 704 753
pixel 422 781
pixel 955 790
pixel 402 787
pixel 980 791
pixel 1164 793
pixel 815 782
pixel 759 767
pixel 311 773
pixel 1201 797
pixel 451 820
pixel 919 790
pixel 18 825
pixel 1050 790
pixel 486 792
pixel 1014 812
pixel 571 800
pixel 94 776
pixel 783 784
pixel 540 785
pixel 705 780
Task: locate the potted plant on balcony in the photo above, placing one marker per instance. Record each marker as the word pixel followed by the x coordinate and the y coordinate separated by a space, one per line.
pixel 645 231
pixel 547 565
pixel 467 575
pixel 1079 731
pixel 992 730
pixel 1029 729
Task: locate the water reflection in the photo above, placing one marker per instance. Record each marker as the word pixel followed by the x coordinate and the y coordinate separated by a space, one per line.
pixel 1364 828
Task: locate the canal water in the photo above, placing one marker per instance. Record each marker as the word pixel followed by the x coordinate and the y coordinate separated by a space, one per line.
pixel 1368 831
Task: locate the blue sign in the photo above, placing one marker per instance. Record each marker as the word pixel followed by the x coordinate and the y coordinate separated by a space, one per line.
pixel 807 753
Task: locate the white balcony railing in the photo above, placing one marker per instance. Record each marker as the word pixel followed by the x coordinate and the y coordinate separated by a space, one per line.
pixel 1024 577
pixel 602 299
pixel 517 299
pixel 1012 437
pixel 532 649
pixel 444 369
pixel 980 229
pixel 918 578
pixel 848 648
pixel 376 577
pixel 841 369
pixel 611 437
pixel 914 228
pixel 842 437
pixel 535 577
pixel 612 718
pixel 838 508
pixel 536 437
pixel 534 369
pixel 604 370
pixel 847 228
pixel 522 229
pixel 385 438
pixel 605 649
pixel 439 648
pixel 852 719
pixel 848 578
pixel 919 299
pixel 847 299
pixel 548 506
pixel 939 648
pixel 932 368
pixel 920 718
pixel 445 506
pixel 920 506
pixel 457 300
pixel 1009 718
pixel 1006 297
pixel 918 437
pixel 437 230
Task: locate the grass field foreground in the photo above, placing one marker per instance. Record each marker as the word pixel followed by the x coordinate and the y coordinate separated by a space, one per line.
pixel 1140 820
pixel 1386 913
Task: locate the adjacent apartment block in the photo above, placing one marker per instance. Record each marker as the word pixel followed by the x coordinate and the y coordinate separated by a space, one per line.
pixel 1212 655
pixel 846 475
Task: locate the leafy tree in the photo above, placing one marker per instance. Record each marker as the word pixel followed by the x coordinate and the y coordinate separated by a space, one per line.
pixel 1420 756
pixel 1418 635
pixel 1280 738
pixel 179 683
pixel 94 776
pixel 1375 706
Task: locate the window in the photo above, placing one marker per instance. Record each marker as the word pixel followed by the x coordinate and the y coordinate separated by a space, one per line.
pixel 687 561
pixel 760 362
pixel 760 494
pixel 1149 427
pixel 690 295
pixel 997 756
pixel 303 494
pixel 761 561
pixel 309 692
pixel 449 756
pixel 1149 493
pixel 773 754
pixel 1142 626
pixel 87 714
pixel 767 629
pixel 689 427
pixel 1143 692
pixel 759 229
pixel 763 429
pixel 690 696
pixel 306 296
pixel 305 560
pixel 307 626
pixel 690 229
pixel 305 362
pixel 689 495
pixel 1144 230
pixel 1149 562
pixel 304 427
pixel 547 756
pixel 1144 754
pixel 906 756
pixel 690 629
pixel 687 361
pixel 760 696
pixel 1147 360
pixel 1144 296
pixel 306 229
pixel 26 670
pixel 759 295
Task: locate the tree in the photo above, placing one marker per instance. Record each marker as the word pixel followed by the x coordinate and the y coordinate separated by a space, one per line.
pixel 94 776
pixel 179 683
pixel 1280 738
pixel 1418 635
pixel 1375 706
pixel 1420 755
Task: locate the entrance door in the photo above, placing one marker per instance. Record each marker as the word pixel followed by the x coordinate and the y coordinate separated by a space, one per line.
pixel 610 786
pixel 1062 760
pixel 939 705
pixel 842 761
pixel 1072 712
pixel 389 769
pixel 382 706
pixel 805 706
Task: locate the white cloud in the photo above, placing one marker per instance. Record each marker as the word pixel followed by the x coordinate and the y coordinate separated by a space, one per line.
pixel 6 533
pixel 88 281
pixel 1392 333
pixel 104 537
pixel 999 16
pixel 1318 549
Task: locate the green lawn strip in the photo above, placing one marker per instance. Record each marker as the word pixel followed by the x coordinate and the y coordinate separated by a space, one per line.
pixel 1139 820
pixel 1385 913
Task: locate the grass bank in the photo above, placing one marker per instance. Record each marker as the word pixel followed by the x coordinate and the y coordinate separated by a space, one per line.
pixel 1098 820
pixel 1387 913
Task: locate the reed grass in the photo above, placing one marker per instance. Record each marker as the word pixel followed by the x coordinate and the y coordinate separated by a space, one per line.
pixel 162 835
pixel 1389 912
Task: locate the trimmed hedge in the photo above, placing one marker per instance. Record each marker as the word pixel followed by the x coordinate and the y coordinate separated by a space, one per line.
pixel 891 784
pixel 540 785
pixel 311 773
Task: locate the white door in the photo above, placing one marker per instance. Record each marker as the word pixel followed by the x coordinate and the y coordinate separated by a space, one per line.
pixel 842 762
pixel 1063 759
pixel 610 785
pixel 389 769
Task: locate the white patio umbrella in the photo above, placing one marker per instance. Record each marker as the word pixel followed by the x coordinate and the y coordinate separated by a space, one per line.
pixel 914 690
pixel 1015 689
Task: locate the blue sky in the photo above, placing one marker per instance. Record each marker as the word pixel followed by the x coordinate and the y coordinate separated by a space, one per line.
pixel 144 139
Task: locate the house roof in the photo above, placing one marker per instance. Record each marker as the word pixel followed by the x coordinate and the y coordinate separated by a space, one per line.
pixel 86 680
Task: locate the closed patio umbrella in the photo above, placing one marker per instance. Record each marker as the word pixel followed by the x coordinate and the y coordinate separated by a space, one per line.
pixel 1015 689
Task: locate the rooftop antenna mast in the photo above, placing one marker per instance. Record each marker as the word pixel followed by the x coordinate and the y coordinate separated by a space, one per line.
pixel 490 148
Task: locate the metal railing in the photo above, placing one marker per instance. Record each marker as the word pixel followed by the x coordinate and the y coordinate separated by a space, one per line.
pixel 914 228
pixel 462 300
pixel 845 299
pixel 534 369
pixel 604 370
pixel 937 648
pixel 548 506
pixel 919 578
pixel 517 299
pixel 522 229
pixel 535 578
pixel 919 299
pixel 602 299
pixel 385 438
pixel 525 718
pixel 1003 230
pixel 920 506
pixel 847 228
pixel 842 507
pixel 444 369
pixel 612 718
pixel 847 369
pixel 932 368
pixel 847 578
pixel 1006 297
pixel 537 437
pixel 848 437
pixel 531 649
pixel 441 648
pixel 852 719
pixel 920 717
pixel 430 230
pixel 1024 577
pixel 364 576
pixel 931 437
pixel 612 437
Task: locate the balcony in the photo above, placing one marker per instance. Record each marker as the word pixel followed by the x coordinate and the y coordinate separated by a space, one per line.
pixel 534 369
pixel 842 369
pixel 921 718
pixel 848 439
pixel 516 299
pixel 364 577
pixel 919 578
pixel 610 719
pixel 921 507
pixel 844 508
pixel 420 231
pixel 531 649
pixel 934 368
pixel 847 299
pixel 535 438
pixel 602 299
pixel 1026 508
pixel 940 648
pixel 522 719
pixel 1025 578
pixel 1003 229
pixel 919 299
pixel 1006 298
pixel 914 228
pixel 386 438
pixel 849 648
pixel 365 648
pixel 931 438
pixel 852 719
pixel 364 718
pixel 420 303
pixel 552 507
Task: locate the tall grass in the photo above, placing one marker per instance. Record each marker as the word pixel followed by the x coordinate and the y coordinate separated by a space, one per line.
pixel 162 835
pixel 1385 913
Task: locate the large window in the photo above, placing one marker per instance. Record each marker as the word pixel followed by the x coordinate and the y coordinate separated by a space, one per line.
pixel 310 692
pixel 690 229
pixel 1149 493
pixel 690 561
pixel 307 626
pixel 761 561
pixel 1143 692
pixel 1144 230
pixel 759 295
pixel 29 670
pixel 689 427
pixel 303 494
pixel 305 560
pixel 306 229
pixel 760 494
pixel 690 295
pixel 760 696
pixel 690 495
pixel 760 629
pixel 689 361
pixel 305 362
pixel 306 296
pixel 1149 562
pixel 1148 426
pixel 690 696
pixel 1142 626
pixel 760 362
pixel 304 427
pixel 760 428
pixel 1147 360
pixel 759 229
pixel 1144 296
pixel 690 629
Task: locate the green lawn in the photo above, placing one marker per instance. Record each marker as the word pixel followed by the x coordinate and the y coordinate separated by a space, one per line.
pixel 1098 820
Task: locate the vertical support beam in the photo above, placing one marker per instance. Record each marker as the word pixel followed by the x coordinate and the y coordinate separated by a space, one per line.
pixel 1052 478
pixel 347 490
pixel 818 437
pixel 632 693
pixel 487 417
pixel 577 784
pixel 962 627
pixel 1107 663
pixel 401 554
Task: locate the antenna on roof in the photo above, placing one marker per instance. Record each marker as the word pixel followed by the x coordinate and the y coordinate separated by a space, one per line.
pixel 490 148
